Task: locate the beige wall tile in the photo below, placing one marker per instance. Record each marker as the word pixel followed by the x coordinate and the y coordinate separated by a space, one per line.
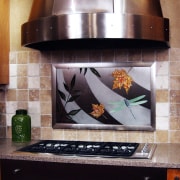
pixel 45 70
pixel 34 57
pixel 36 133
pixel 22 70
pixel 135 55
pixel 45 82
pixel 174 136
pixel 161 136
pixel 174 123
pixel 22 82
pixel 162 96
pixel 22 58
pixel 174 70
pixel 46 120
pixel 162 55
pixel 46 133
pixel 175 82
pixel 95 135
pixel 121 136
pixel 70 134
pixel 36 90
pixel 22 95
pixel 83 135
pixel 174 54
pixel 33 95
pixel 11 95
pixel 108 135
pixel 175 96
pixel 135 136
pixel 148 137
pixel 58 134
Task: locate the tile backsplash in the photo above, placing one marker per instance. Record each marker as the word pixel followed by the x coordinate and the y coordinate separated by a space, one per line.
pixel 30 88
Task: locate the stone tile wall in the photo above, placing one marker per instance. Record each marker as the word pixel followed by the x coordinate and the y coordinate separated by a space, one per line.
pixel 30 88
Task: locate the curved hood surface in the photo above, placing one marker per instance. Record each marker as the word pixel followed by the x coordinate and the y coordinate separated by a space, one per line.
pixel 57 24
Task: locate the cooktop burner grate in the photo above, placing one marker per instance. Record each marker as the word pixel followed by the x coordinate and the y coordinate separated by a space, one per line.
pixel 83 148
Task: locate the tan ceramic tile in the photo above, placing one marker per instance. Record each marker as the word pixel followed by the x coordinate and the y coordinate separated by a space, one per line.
pixel 174 123
pixel 46 57
pixel 108 55
pixel 11 95
pixel 108 135
pixel 33 95
pixel 69 56
pixel 121 136
pixel 2 95
pixel 82 135
pixel 3 132
pixel 9 132
pixel 33 82
pixel 46 108
pixel 35 133
pixel 34 57
pixel 175 96
pixel 33 69
pixel 174 136
pixel 82 55
pixel 22 95
pixel 45 70
pixel 148 55
pixel 45 82
pixel 175 109
pixel 95 135
pixel 174 83
pixel 22 70
pixel 22 57
pixel 121 55
pixel 57 56
pixel 162 55
pixel 46 120
pixel 174 54
pixel 175 68
pixel 135 136
pixel 161 136
pixel 22 105
pixel 70 134
pixel 148 137
pixel 162 96
pixel 12 57
pixel 22 82
pixel 58 134
pixel 135 55
pixel 162 68
pixel 2 120
pixel 46 133
pixel 45 95
pixel 2 107
pixel 95 55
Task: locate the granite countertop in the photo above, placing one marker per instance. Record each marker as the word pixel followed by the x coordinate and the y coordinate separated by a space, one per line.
pixel 165 156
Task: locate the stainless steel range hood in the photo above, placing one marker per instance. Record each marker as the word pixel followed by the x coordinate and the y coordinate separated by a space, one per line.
pixel 57 24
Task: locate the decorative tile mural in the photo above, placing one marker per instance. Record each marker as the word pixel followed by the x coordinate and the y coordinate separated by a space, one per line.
pixel 104 96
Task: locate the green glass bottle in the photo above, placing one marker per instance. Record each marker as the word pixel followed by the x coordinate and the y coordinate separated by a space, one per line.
pixel 21 126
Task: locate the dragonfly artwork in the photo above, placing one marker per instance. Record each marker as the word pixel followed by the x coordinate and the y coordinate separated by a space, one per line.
pixel 104 96
pixel 128 103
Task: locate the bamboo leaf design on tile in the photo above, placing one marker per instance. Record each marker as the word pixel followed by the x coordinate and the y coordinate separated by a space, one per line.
pixel 72 95
pixel 93 70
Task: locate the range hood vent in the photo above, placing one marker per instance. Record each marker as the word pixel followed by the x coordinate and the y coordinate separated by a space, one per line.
pixel 55 24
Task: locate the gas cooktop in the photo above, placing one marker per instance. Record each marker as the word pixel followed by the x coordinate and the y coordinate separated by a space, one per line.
pixel 92 149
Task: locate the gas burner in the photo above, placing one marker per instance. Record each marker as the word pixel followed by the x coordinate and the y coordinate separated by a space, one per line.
pixel 87 148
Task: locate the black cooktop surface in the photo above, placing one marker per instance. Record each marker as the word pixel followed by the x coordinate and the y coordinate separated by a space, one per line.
pixel 83 148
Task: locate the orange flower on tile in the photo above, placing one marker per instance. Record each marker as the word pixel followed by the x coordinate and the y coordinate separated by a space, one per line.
pixel 121 80
pixel 98 110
